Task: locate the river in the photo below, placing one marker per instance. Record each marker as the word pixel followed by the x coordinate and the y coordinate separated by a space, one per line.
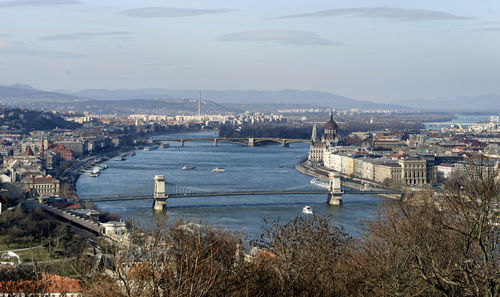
pixel 460 118
pixel 265 167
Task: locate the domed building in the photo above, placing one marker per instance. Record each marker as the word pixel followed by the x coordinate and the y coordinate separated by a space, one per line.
pixel 329 139
pixel 331 132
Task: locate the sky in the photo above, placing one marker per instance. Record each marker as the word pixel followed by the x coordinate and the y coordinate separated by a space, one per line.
pixel 378 50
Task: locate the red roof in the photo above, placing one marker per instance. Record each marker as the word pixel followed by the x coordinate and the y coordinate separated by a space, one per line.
pixel 74 206
pixel 49 283
pixel 42 179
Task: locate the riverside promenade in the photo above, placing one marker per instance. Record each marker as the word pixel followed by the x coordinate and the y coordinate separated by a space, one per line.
pixel 321 172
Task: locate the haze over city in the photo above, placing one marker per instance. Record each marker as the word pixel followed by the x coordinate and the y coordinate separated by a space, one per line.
pixel 381 51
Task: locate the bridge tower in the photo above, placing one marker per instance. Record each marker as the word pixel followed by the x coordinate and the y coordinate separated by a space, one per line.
pixel 159 197
pixel 215 141
pixel 284 143
pixel 334 189
pixel 251 141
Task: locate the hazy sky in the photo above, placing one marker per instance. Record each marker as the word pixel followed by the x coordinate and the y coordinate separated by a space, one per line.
pixel 379 50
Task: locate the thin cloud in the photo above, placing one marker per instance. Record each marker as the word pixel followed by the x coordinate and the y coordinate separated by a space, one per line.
pixel 88 35
pixel 20 49
pixel 392 13
pixel 16 3
pixel 169 12
pixel 281 36
pixel 495 29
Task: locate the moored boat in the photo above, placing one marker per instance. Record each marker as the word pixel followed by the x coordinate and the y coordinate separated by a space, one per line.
pixel 151 147
pixel 188 167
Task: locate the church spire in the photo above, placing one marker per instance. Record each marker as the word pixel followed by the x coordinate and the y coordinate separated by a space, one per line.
pixel 314 135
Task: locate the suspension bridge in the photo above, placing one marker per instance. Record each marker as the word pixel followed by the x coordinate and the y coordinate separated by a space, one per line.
pixel 164 191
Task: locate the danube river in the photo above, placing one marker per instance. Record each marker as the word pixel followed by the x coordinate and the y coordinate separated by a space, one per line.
pixel 247 168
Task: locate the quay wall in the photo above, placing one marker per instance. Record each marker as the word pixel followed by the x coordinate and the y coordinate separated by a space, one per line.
pixel 348 181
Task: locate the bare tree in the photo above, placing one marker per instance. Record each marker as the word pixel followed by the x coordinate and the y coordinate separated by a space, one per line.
pixel 434 247
pixel 178 260
pixel 300 258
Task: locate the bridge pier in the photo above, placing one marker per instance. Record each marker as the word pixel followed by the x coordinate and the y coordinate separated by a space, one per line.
pixel 284 143
pixel 334 190
pixel 215 141
pixel 159 197
pixel 181 143
pixel 251 141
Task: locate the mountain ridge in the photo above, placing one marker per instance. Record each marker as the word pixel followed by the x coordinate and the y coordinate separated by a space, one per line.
pixel 286 96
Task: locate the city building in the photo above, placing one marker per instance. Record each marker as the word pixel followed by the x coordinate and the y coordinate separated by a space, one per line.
pixel 329 139
pixel 43 186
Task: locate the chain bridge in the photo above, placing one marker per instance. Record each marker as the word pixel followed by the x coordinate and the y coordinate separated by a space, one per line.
pixel 163 191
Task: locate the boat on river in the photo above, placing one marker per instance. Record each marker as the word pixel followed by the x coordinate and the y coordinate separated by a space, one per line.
pixel 164 145
pixel 218 170
pixel 151 147
pixel 188 167
pixel 320 183
pixel 307 210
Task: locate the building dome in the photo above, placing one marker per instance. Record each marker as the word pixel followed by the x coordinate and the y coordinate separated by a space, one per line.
pixel 330 134
pixel 331 125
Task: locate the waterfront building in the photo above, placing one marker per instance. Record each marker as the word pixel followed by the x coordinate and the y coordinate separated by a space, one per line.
pixel 387 171
pixel 66 154
pixel 413 171
pixel 330 134
pixel 78 147
pixel 329 139
pixel 43 186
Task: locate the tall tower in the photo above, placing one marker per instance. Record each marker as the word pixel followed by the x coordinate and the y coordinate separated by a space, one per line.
pixel 314 135
pixel 42 146
pixel 199 103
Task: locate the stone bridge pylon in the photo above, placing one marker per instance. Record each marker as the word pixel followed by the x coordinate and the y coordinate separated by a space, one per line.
pixel 334 189
pixel 160 198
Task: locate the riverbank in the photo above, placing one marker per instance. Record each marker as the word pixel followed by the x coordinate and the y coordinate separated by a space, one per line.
pixel 304 167
pixel 69 177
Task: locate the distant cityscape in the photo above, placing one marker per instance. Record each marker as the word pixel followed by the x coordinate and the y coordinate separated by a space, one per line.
pixel 392 153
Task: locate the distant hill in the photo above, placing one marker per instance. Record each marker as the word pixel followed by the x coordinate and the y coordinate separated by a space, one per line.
pixel 19 93
pixel 316 98
pixel 139 106
pixel 490 102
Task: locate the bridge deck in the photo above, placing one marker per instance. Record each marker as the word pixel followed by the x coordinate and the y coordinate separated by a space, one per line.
pixel 235 193
pixel 235 139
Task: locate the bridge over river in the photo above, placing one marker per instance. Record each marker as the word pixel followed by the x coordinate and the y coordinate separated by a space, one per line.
pixel 164 191
pixel 250 141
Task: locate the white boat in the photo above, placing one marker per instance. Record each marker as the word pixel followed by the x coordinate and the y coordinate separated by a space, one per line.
pixel 94 174
pixel 320 183
pixel 120 158
pixel 164 145
pixel 96 169
pixel 307 210
pixel 188 167
pixel 151 147
pixel 218 170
